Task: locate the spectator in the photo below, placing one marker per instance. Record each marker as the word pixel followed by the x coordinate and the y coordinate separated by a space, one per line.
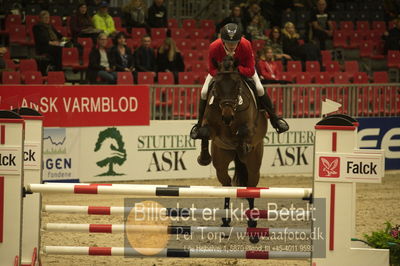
pixel 235 17
pixel 292 45
pixel 321 24
pixel 81 24
pixel 3 51
pixel 268 67
pixel 169 58
pixel 48 41
pixel 135 14
pixel 157 15
pixel 121 56
pixel 256 29
pixel 100 63
pixel 145 60
pixel 275 42
pixel 103 21
pixel 254 10
pixel 392 37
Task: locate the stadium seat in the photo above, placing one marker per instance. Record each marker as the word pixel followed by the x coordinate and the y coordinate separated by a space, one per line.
pixel 31 20
pixel 346 25
pixel 393 59
pixel 11 65
pixel 340 38
pixel 326 57
pixel 198 34
pixel 189 24
pixel 56 21
pixel 379 25
pixel 351 66
pixel 10 21
pixel 200 76
pixel 294 66
pixel 305 78
pixel 207 24
pixel 158 33
pixel 380 77
pixel 57 10
pixel 28 65
pixel 138 33
pixel 32 77
pixel 362 25
pixel 87 43
pixel 332 66
pixel 11 77
pixel 178 33
pixel 257 45
pixel 70 58
pixel 115 12
pixel 172 23
pixel 184 44
pixel 146 78
pixel 124 78
pixel 322 78
pixel 18 35
pixel 313 66
pixel 360 78
pixel 55 77
pixel 186 78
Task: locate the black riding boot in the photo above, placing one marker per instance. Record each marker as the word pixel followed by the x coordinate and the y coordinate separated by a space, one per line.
pixel 196 132
pixel 279 124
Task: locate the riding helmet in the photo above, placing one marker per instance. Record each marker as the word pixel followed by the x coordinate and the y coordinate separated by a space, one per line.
pixel 231 32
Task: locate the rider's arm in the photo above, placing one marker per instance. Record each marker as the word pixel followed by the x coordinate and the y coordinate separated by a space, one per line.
pixel 246 59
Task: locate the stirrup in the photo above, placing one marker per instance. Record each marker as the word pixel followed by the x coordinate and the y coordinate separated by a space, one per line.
pixel 280 125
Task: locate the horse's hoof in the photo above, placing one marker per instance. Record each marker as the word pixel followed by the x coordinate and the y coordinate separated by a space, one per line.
pixel 204 161
pixel 226 222
pixel 254 239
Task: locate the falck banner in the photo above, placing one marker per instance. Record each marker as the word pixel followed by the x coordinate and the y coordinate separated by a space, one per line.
pixel 81 106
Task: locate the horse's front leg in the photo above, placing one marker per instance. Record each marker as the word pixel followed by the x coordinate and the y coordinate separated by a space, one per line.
pixel 205 157
pixel 244 134
pixel 254 238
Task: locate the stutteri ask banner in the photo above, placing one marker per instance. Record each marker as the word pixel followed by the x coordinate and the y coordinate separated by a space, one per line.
pixel 82 106
pixel 162 150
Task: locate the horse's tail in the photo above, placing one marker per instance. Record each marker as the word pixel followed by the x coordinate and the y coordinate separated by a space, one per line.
pixel 241 175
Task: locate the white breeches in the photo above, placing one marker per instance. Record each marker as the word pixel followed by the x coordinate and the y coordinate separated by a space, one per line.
pixel 256 79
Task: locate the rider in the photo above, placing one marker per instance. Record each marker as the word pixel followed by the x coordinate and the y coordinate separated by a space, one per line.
pixel 232 43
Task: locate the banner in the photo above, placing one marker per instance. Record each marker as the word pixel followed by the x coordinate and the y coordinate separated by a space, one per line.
pixel 82 106
pixel 381 133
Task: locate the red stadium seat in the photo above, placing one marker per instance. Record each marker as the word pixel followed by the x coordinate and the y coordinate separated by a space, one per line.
pixel 124 78
pixel 11 65
pixel 304 78
pixel 340 38
pixel 294 66
pixel 27 65
pixel 346 25
pixel 55 77
pixel 198 34
pixel 326 57
pixel 70 58
pixel 165 78
pixel 322 78
pixel 393 59
pixel 360 78
pixel 172 23
pixel 18 35
pixel 332 67
pixel 146 77
pixel 379 25
pixel 380 77
pixel 178 33
pixel 56 21
pixel 313 66
pixel 207 24
pixel 158 33
pixel 32 77
pixel 11 77
pixel 31 20
pixel 87 43
pixel 189 23
pixel 184 44
pixel 187 78
pixel 200 76
pixel 362 25
pixel 10 21
pixel 351 66
pixel 138 33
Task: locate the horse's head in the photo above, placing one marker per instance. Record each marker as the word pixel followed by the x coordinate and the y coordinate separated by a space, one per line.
pixel 227 88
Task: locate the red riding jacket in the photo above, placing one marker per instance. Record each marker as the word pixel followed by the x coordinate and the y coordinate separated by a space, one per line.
pixel 243 53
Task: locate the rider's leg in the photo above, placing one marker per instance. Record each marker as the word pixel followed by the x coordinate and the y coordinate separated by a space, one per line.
pixel 195 132
pixel 278 123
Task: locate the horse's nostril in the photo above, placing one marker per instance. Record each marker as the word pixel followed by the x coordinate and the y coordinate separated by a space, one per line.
pixel 227 119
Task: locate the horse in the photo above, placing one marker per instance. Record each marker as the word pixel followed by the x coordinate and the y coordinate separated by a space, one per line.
pixel 236 129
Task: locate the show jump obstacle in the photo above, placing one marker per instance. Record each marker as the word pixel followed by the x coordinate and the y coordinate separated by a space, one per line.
pixel 338 166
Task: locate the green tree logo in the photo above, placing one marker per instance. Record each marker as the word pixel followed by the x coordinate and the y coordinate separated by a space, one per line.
pixel 110 143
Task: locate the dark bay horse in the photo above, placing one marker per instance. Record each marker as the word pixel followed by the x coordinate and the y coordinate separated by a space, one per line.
pixel 236 129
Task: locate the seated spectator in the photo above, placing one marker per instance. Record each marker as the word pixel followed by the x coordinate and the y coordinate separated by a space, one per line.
pixel 157 15
pixel 267 67
pixel 275 42
pixel 48 41
pixel 256 29
pixel 235 17
pixel 292 45
pixel 392 37
pixel 135 14
pixel 145 60
pixel 103 21
pixel 100 63
pixel 81 24
pixel 3 51
pixel 121 56
pixel 321 23
pixel 253 10
pixel 169 58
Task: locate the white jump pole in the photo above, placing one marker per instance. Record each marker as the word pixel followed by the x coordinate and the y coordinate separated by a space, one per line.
pixel 179 212
pixel 177 253
pixel 11 184
pixel 32 174
pixel 185 192
pixel 173 230
pixel 338 166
